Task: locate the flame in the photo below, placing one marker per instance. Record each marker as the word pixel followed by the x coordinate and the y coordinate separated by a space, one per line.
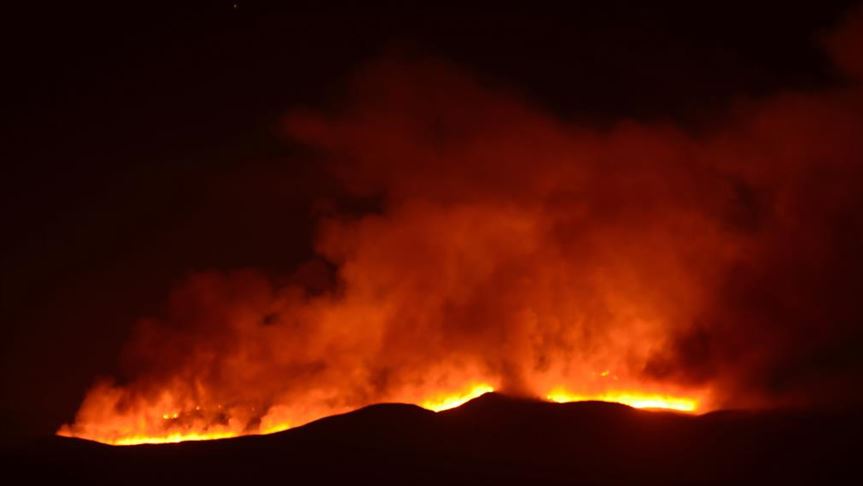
pixel 512 251
pixel 172 426
pixel 171 438
pixel 446 402
pixel 168 433
pixel 198 423
pixel 632 398
pixel 274 422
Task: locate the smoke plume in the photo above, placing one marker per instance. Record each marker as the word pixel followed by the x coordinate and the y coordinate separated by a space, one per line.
pixel 517 250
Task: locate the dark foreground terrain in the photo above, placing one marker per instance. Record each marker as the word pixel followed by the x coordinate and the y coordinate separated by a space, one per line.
pixel 490 440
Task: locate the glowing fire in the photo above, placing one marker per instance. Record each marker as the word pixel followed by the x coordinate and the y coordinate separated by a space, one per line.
pixel 633 399
pixel 447 402
pixel 166 422
pixel 178 426
pixel 171 438
pixel 511 252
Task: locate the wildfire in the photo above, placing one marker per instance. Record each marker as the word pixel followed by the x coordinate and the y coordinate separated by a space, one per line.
pixel 511 251
pixel 447 402
pixel 171 438
pixel 171 428
pixel 633 399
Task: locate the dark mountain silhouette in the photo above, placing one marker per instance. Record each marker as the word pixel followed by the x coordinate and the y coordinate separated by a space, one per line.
pixel 493 439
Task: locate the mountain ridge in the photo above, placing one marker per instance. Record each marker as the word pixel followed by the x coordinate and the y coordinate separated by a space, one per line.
pixel 491 439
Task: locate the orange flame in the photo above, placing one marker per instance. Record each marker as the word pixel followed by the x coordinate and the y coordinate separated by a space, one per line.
pixel 446 402
pixel 513 251
pixel 632 398
pixel 179 426
pixel 114 433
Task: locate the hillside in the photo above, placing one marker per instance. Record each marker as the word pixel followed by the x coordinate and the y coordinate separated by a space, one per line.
pixel 493 439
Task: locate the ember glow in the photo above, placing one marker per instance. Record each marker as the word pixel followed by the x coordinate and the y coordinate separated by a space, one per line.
pixel 633 399
pixel 447 402
pixel 174 426
pixel 518 252
pixel 171 438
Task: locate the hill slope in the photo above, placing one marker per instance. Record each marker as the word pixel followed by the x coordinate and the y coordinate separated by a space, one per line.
pixel 491 440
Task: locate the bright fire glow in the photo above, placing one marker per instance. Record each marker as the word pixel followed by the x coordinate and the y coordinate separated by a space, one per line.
pixel 633 399
pixel 447 402
pixel 469 240
pixel 168 437
pixel 436 402
pixel 170 420
pixel 172 438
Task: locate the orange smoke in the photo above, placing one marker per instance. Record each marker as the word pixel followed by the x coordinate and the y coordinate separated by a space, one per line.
pixel 516 252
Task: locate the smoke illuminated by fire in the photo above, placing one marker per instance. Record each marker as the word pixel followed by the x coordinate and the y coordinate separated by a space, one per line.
pixel 514 251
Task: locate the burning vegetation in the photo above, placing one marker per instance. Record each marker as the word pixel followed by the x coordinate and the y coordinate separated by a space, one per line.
pixel 514 251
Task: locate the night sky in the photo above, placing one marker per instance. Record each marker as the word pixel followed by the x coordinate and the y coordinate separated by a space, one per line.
pixel 146 139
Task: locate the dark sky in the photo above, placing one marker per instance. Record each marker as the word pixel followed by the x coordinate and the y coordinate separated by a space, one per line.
pixel 144 142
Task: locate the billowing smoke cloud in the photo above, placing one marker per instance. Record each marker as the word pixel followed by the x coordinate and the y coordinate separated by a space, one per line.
pixel 518 250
